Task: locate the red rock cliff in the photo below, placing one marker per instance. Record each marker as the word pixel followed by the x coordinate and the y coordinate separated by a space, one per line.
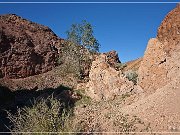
pixel 26 48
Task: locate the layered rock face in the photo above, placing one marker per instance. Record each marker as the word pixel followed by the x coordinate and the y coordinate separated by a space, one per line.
pixel 26 48
pixel 161 61
pixel 105 81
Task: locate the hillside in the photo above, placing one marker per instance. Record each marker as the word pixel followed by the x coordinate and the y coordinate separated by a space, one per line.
pixel 27 48
pixel 133 65
pixel 49 84
pixel 159 77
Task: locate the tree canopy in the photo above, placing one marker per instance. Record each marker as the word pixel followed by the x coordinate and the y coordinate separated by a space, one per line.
pixel 83 34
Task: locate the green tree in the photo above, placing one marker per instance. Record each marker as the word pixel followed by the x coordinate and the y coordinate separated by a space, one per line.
pixel 82 34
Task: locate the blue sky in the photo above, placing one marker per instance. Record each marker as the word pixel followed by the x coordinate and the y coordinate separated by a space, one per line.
pixel 125 28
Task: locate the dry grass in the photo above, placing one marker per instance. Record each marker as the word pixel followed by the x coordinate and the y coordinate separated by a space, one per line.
pixel 48 115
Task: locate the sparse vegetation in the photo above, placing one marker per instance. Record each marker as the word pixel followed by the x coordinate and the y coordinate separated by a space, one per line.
pixel 70 59
pixel 131 76
pixel 120 66
pixel 85 100
pixel 73 59
pixel 48 115
pixel 77 52
pixel 30 70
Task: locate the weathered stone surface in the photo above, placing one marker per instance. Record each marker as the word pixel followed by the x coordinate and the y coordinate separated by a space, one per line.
pixel 169 30
pixel 161 61
pixel 112 58
pixel 153 71
pixel 105 82
pixel 26 48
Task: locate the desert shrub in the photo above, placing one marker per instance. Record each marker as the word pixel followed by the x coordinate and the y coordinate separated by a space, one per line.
pixel 131 76
pixel 74 59
pixel 120 66
pixel 48 115
pixel 69 58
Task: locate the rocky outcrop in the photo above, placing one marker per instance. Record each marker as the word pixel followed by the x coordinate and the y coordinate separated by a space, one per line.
pixel 160 63
pixel 105 82
pixel 112 58
pixel 153 71
pixel 26 48
pixel 169 30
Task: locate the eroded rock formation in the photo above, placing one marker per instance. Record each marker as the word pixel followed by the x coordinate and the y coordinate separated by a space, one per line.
pixel 112 58
pixel 26 48
pixel 169 30
pixel 161 64
pixel 105 81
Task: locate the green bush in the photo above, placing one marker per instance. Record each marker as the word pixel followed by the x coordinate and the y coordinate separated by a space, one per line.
pixel 83 34
pixel 74 59
pixel 48 115
pixel 120 66
pixel 131 76
pixel 69 59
